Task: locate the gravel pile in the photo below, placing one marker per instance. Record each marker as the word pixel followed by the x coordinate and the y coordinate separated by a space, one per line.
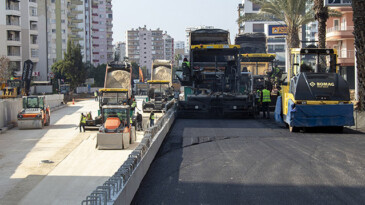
pixel 118 79
pixel 162 73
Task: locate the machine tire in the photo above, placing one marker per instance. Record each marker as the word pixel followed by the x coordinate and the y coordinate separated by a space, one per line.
pixel 293 129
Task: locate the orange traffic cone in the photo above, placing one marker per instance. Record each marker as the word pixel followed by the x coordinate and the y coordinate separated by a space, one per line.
pixel 73 101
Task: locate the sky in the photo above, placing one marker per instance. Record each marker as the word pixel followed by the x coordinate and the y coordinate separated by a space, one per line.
pixel 173 16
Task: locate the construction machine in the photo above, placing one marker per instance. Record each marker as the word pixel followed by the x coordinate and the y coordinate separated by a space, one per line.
pixel 116 130
pixel 314 94
pixel 35 113
pixel 214 82
pixel 159 94
pixel 159 87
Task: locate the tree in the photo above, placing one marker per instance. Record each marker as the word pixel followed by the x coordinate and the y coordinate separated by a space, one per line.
pixel 71 67
pixel 291 12
pixel 359 28
pixel 135 70
pixel 5 71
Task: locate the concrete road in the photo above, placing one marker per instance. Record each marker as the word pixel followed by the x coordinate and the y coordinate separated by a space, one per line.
pixel 254 162
pixel 21 151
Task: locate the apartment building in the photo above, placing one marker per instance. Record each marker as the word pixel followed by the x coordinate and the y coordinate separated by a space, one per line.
pixel 119 50
pixel 145 45
pixel 276 44
pixel 340 37
pixel 76 24
pixel 187 34
pixel 99 34
pixel 168 43
pixel 56 30
pixel 19 33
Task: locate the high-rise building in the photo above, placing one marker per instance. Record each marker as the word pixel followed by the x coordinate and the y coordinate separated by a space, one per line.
pixel 56 30
pixel 187 34
pixel 76 24
pixel 19 33
pixel 99 34
pixel 179 45
pixel 145 45
pixel 168 47
pixel 119 50
pixel 275 44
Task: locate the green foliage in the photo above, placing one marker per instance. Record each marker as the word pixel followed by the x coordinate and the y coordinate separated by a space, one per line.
pixel 135 70
pixel 98 73
pixel 71 68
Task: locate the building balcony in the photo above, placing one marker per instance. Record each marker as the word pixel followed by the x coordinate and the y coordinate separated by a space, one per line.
pixel 346 57
pixel 339 32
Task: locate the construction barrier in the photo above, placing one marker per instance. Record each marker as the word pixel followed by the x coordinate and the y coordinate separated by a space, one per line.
pixel 122 186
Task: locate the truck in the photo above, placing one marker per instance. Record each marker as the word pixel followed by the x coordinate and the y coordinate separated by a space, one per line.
pixel 314 94
pixel 35 113
pixel 117 130
pixel 159 87
pixel 214 82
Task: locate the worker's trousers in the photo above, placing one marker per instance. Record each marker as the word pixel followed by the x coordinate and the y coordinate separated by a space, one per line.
pixel 265 110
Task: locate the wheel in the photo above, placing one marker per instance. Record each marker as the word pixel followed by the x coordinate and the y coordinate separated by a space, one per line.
pixel 293 129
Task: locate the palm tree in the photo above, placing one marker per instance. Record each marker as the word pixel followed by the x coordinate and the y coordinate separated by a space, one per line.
pixel 291 12
pixel 359 28
pixel 322 14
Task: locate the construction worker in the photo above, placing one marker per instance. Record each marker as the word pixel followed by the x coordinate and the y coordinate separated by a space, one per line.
pixel 82 122
pixel 186 62
pixel 139 121
pixel 265 99
pixel 152 119
pixel 96 95
pixel 258 92
pixel 89 117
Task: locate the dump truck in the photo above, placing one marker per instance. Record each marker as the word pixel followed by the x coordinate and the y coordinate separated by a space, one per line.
pixel 116 130
pixel 314 94
pixel 217 85
pixel 35 113
pixel 159 87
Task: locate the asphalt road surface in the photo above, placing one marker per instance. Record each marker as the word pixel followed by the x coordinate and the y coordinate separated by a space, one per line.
pixel 254 162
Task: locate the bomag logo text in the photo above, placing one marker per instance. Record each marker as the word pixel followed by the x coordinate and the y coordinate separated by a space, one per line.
pixel 325 84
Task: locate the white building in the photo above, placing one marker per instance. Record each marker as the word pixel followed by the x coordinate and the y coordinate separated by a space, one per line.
pixel 145 45
pixel 19 33
pixel 179 45
pixel 119 50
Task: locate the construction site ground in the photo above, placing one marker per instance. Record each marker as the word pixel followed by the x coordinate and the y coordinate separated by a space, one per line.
pixel 57 164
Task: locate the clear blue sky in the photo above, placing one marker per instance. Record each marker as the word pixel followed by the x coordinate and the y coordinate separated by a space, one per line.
pixel 173 16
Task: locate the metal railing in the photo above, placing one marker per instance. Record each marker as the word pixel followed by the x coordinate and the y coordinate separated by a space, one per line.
pixel 110 190
pixel 346 54
pixel 340 28
pixel 12 7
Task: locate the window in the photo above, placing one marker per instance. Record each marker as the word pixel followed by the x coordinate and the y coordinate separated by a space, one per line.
pixel 343 24
pixel 336 23
pixel 255 7
pixel 258 28
pixel 33 11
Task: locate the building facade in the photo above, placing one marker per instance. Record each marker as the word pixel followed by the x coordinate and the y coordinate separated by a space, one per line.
pixel 99 34
pixel 168 43
pixel 19 33
pixel 119 51
pixel 145 45
pixel 340 37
